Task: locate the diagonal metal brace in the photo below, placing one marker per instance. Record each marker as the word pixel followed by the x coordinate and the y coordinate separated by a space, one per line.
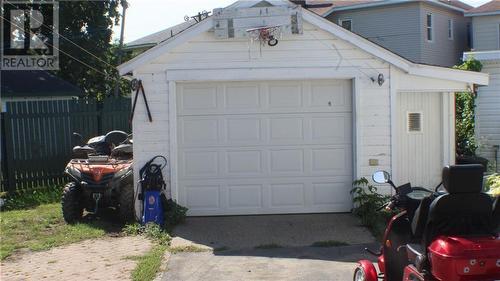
pixel 140 88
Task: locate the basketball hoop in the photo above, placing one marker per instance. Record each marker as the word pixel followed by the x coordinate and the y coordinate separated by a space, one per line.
pixel 265 35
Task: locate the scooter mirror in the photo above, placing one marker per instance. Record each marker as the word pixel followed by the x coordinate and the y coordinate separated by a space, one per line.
pixel 381 177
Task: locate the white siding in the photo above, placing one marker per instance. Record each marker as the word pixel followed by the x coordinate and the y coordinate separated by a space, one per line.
pixel 488 112
pixel 420 153
pixel 486 33
pixel 315 49
pixel 151 138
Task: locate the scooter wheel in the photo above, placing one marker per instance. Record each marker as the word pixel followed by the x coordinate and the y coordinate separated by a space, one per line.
pixel 359 274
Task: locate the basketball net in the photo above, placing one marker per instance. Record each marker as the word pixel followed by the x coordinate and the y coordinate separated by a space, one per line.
pixel 266 36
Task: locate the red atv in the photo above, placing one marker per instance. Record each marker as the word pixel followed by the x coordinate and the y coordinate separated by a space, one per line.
pixel 101 177
pixel 447 235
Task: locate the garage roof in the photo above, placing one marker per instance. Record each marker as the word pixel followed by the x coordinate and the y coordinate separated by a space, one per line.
pixel 362 43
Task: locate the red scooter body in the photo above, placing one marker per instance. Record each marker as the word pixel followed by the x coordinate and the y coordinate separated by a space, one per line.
pixel 465 258
pixel 450 258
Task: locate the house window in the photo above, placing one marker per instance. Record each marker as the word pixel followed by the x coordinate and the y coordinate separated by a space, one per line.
pixel 414 122
pixel 469 36
pixel 347 24
pixel 430 26
pixel 450 29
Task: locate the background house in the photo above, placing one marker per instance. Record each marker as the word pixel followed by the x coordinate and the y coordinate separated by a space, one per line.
pixel 428 32
pixel 34 85
pixel 486 44
pixel 254 129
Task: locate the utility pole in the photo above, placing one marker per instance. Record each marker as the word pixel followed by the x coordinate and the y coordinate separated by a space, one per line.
pixel 120 46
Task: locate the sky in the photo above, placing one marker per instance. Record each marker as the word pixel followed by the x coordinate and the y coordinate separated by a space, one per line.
pixel 145 17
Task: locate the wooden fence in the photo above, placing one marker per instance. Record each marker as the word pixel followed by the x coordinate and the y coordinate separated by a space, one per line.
pixel 37 136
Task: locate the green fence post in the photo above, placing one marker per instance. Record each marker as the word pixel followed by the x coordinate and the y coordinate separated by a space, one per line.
pixel 9 165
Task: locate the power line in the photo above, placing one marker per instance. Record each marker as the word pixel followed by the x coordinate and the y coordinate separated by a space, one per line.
pixel 333 47
pixel 87 65
pixel 60 35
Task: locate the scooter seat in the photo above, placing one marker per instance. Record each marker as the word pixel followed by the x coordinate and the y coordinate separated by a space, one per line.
pixel 416 256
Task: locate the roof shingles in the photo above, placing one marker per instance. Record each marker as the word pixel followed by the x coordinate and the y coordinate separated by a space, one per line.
pixel 490 7
pixel 322 10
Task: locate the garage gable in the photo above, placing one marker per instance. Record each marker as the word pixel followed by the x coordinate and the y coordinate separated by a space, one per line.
pixel 205 27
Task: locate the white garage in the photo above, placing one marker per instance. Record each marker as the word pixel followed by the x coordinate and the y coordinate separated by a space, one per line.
pixel 251 128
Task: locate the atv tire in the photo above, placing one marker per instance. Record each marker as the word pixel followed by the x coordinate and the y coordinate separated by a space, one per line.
pixel 72 208
pixel 126 210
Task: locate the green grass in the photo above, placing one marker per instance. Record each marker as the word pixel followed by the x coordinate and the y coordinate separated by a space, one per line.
pixel 329 243
pixel 23 199
pixel 268 246
pixel 149 265
pixel 42 228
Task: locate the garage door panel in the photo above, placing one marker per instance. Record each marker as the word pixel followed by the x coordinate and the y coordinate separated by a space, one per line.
pixel 332 129
pixel 328 193
pixel 266 196
pixel 199 131
pixel 333 95
pixel 244 162
pixel 202 197
pixel 198 97
pixel 199 163
pixel 287 195
pixel 245 196
pixel 287 161
pixel 285 95
pixel 334 161
pixel 243 130
pixel 241 96
pixel 266 148
pixel 286 128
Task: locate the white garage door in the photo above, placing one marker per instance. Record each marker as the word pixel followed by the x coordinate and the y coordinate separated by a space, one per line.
pixel 264 147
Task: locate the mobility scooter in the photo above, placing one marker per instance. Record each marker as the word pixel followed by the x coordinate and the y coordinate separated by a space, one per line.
pixel 449 235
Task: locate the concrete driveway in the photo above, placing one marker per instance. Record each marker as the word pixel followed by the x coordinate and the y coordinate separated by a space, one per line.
pixel 274 247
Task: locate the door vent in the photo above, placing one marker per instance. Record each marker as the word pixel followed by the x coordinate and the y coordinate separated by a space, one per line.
pixel 414 122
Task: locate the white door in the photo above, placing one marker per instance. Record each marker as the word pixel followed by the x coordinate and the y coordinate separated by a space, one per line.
pixel 419 145
pixel 264 147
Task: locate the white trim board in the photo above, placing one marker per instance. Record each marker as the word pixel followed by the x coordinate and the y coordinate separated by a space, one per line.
pixel 484 55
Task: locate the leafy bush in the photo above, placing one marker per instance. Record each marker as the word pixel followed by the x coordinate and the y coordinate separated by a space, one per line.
pixel 24 199
pixel 492 185
pixel 366 201
pixel 466 143
pixel 174 214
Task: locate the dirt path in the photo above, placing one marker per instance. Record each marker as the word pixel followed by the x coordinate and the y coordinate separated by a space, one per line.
pixel 102 259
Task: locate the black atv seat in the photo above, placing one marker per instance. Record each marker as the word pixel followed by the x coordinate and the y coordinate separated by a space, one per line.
pixel 115 137
pixel 464 210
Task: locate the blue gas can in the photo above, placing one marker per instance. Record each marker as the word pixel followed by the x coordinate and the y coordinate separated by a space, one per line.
pixel 153 209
